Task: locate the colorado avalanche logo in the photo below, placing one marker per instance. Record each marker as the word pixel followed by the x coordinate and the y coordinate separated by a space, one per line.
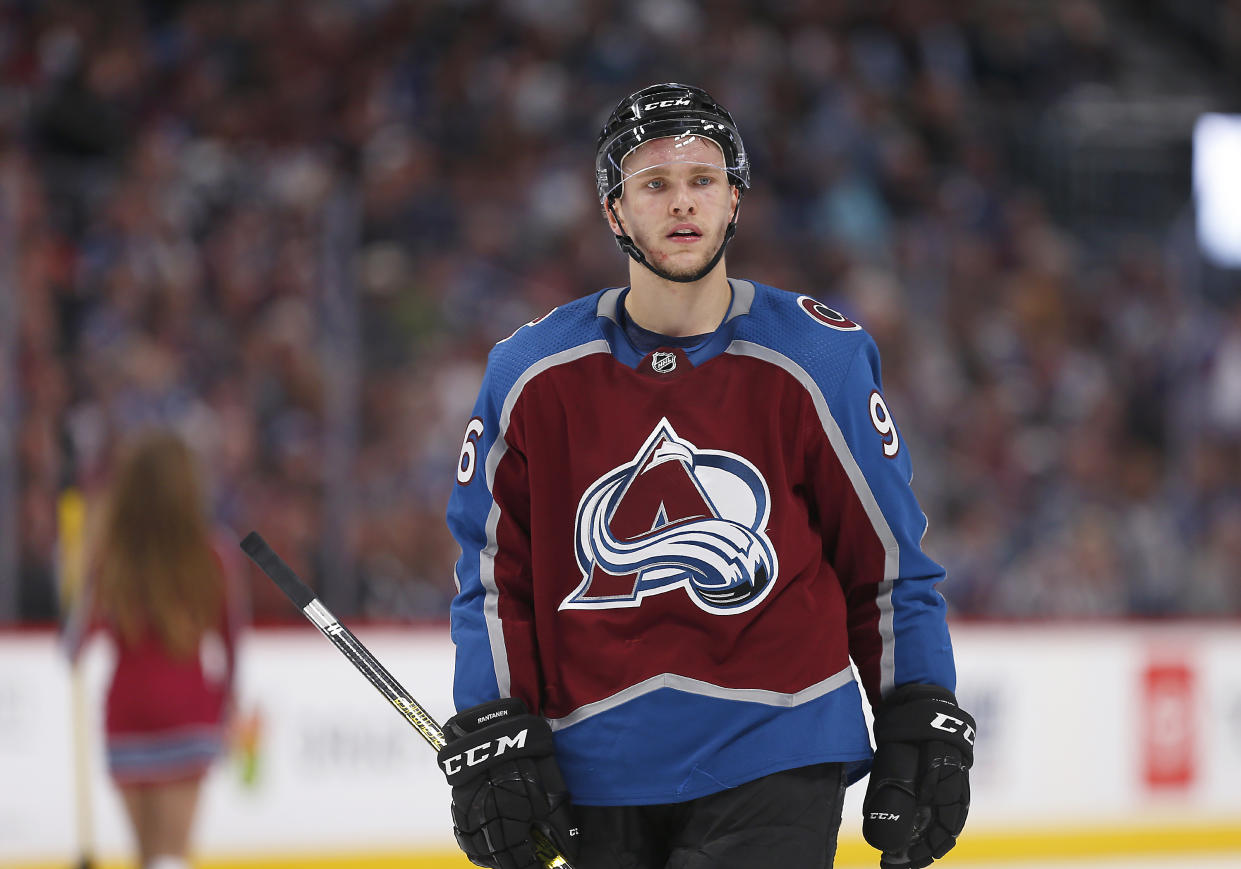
pixel 675 517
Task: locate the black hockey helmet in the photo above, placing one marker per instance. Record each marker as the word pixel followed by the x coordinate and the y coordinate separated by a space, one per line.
pixel 659 111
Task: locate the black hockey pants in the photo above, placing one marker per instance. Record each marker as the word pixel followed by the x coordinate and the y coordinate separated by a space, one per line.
pixel 788 820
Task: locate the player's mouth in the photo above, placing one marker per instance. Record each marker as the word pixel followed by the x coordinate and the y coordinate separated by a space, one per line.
pixel 685 233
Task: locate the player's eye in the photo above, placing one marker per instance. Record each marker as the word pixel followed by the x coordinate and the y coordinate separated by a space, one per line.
pixel 703 180
pixel 654 184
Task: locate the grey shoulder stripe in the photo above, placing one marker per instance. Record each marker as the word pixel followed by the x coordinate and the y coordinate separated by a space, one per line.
pixel 704 689
pixel 487 557
pixel 743 297
pixel 891 560
pixel 607 303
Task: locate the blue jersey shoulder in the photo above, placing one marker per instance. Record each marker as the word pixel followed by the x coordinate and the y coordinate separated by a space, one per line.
pixel 561 329
pixel 819 339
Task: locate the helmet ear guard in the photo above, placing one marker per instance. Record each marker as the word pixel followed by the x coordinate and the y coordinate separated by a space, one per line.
pixel 662 111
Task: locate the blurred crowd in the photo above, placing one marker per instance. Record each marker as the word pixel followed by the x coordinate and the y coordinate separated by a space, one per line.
pixel 293 230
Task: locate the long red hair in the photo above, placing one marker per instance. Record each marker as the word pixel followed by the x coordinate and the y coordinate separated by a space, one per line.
pixel 155 568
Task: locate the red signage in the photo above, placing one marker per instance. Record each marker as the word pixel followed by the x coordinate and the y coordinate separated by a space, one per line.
pixel 1169 725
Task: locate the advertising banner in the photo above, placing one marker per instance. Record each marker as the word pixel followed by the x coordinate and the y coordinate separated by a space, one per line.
pixel 1089 730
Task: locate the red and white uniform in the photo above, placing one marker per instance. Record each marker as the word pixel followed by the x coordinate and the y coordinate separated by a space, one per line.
pixel 165 717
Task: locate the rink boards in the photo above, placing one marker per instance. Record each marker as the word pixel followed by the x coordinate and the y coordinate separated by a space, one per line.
pixel 1094 739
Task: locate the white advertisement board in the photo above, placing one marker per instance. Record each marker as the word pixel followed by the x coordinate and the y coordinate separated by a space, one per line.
pixel 1080 727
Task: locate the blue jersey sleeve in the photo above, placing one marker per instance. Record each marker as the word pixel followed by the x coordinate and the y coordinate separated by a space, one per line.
pixel 470 509
pixel 897 618
pixel 491 616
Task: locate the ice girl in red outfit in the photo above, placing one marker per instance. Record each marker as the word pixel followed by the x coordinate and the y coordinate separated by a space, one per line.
pixel 160 590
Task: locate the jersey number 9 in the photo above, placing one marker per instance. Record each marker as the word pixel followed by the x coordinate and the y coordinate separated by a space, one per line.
pixel 882 421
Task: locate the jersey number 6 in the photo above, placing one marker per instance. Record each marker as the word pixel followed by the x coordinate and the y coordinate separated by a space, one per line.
pixel 469 451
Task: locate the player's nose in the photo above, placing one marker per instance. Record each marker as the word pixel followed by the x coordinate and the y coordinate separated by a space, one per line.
pixel 684 202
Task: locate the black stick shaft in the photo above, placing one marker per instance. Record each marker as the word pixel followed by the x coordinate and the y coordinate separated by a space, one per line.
pixel 365 662
pixel 343 639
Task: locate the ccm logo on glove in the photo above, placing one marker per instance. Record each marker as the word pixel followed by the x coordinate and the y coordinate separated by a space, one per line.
pixel 919 791
pixel 479 753
pixel 941 722
pixel 500 761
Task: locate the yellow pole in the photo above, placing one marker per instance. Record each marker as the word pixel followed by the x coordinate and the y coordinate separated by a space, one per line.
pixel 70 562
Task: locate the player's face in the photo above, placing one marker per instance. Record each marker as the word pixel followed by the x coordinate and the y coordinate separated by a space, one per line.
pixel 677 202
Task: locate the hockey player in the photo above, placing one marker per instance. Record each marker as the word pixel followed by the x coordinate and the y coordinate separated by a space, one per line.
pixel 683 506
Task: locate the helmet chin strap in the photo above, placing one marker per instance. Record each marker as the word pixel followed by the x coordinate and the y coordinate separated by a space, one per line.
pixel 629 246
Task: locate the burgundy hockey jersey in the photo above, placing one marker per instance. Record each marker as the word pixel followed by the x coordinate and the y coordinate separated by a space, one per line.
pixel 673 557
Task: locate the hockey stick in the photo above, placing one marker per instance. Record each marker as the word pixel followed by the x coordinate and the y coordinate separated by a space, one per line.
pixel 367 664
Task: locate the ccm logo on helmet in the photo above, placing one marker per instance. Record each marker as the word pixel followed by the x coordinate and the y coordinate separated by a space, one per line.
pixel 948 724
pixel 479 753
pixel 663 104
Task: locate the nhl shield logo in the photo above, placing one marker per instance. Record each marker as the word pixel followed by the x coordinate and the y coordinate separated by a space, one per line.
pixel 676 517
pixel 663 362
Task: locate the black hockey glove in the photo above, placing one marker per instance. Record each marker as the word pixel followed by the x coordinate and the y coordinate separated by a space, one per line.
pixel 500 761
pixel 919 791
